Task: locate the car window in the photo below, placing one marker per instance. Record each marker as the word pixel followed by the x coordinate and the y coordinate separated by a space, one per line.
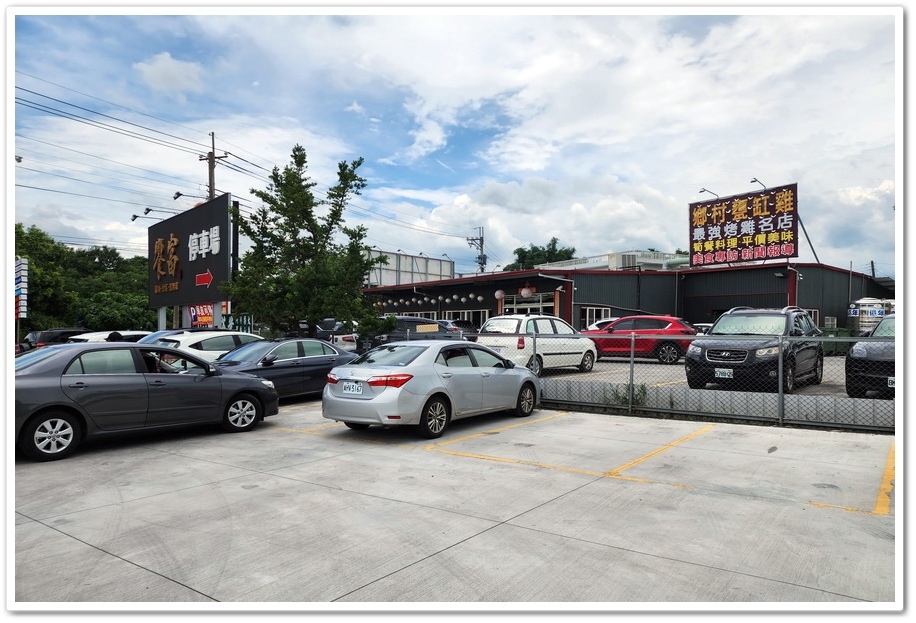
pixel 625 325
pixel 750 325
pixel 651 324
pixel 486 359
pixel 562 328
pixel 455 358
pixel 885 328
pixel 171 362
pixel 245 339
pixel 314 349
pixel 391 355
pixel 501 325
pixel 540 326
pixel 287 350
pixel 218 343
pixel 103 362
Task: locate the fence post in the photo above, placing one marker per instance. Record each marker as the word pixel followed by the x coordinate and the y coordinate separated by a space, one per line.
pixel 781 394
pixel 632 372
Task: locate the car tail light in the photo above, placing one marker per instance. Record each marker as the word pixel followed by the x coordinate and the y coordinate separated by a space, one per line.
pixel 348 338
pixel 332 379
pixel 521 343
pixel 389 380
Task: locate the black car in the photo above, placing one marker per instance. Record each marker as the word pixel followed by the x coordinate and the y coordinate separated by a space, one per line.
pixel 414 328
pixel 742 349
pixel 870 364
pixel 34 339
pixel 465 327
pixel 297 366
pixel 68 393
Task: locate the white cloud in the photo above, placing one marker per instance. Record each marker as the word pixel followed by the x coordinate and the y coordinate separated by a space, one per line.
pixel 169 75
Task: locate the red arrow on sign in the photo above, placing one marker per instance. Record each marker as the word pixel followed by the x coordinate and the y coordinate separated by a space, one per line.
pixel 204 279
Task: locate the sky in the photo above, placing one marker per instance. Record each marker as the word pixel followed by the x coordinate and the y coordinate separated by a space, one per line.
pixel 595 126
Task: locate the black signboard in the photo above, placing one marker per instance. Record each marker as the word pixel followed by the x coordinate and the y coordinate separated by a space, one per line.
pixel 189 255
pixel 744 228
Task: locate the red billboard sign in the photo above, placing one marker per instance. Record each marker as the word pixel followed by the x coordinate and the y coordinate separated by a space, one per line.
pixel 745 228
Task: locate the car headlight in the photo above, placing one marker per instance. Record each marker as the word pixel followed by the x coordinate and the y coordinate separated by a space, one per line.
pixel 267 383
pixel 772 351
pixel 858 350
pixel 693 349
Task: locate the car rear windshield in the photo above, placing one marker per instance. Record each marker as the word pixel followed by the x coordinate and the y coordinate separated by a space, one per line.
pixel 750 325
pixel 885 328
pixel 391 355
pixel 501 325
pixel 31 357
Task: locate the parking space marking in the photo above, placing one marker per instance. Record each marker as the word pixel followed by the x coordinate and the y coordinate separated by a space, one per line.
pixel 883 499
pixel 614 473
pixel 882 505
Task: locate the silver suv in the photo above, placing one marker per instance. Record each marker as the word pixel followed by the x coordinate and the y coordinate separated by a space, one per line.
pixel 538 342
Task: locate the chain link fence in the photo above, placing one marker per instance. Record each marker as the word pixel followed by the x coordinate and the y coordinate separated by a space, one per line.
pixel 795 380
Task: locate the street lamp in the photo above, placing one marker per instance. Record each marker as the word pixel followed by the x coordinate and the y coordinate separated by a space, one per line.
pixel 756 181
pixel 136 216
pixel 704 190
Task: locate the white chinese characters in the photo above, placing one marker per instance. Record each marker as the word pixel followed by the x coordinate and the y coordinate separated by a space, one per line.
pixel 203 243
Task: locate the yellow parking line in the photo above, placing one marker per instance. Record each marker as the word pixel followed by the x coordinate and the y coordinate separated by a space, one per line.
pixel 883 503
pixel 616 472
pixel 493 431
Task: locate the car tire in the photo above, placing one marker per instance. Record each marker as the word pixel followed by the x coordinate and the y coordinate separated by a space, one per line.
pixel 667 353
pixel 242 414
pixel 695 382
pixel 788 379
pixel 536 365
pixel 356 426
pixel 588 362
pixel 525 404
pixel 434 418
pixel 818 370
pixel 50 436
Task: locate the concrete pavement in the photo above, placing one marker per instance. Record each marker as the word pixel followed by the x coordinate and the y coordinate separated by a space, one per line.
pixel 559 511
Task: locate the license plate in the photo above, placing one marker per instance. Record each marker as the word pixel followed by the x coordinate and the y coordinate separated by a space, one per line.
pixel 725 373
pixel 498 349
pixel 890 381
pixel 352 387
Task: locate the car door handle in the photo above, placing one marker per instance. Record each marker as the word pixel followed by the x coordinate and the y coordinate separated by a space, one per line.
pixel 447 375
pixel 79 385
pixel 158 383
pixel 485 374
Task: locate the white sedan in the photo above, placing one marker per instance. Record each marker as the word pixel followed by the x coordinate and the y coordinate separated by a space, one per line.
pixel 427 383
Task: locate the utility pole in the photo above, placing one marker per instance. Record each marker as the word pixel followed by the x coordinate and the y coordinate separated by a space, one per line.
pixel 478 243
pixel 211 161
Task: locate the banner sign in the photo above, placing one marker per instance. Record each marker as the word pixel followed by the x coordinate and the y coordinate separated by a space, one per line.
pixel 22 287
pixel 745 228
pixel 189 255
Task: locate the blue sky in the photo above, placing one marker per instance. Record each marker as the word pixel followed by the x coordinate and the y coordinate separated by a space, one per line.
pixel 598 129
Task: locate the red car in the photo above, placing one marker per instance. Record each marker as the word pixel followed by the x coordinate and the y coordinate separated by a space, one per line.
pixel 660 341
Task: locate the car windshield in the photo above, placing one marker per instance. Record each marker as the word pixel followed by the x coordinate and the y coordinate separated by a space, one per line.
pixel 391 355
pixel 252 351
pixel 152 338
pixel 32 357
pixel 750 325
pixel 501 325
pixel 885 328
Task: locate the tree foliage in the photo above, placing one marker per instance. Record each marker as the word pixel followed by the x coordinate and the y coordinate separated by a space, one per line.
pixel 304 262
pixel 94 288
pixel 534 255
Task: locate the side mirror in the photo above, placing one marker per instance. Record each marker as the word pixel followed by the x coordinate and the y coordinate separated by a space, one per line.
pixel 269 359
pixel 508 364
pixel 210 370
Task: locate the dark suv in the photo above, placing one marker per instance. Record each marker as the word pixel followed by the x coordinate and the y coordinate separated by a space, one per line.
pixel 743 346
pixel 414 328
pixel 34 339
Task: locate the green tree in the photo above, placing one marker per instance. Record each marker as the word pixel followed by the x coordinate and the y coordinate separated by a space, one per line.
pixel 94 288
pixel 304 263
pixel 534 255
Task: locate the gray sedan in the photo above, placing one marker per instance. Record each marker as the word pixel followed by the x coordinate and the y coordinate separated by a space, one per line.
pixel 68 393
pixel 427 383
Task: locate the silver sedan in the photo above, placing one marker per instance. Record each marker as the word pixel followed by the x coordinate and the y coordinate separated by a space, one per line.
pixel 427 383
